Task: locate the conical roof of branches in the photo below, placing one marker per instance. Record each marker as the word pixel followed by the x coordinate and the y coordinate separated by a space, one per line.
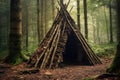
pixel 63 44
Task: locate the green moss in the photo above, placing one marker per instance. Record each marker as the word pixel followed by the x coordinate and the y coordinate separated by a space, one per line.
pixel 18 61
pixel 25 57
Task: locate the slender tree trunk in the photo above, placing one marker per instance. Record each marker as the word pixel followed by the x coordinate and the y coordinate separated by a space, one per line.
pixel 45 14
pixel 115 67
pixel 94 30
pixel 15 55
pixel 106 23
pixel 78 14
pixel 98 32
pixel 38 20
pixel 53 9
pixel 27 26
pixel 111 31
pixel 98 28
pixel 44 17
pixel 118 20
pixel 8 25
pixel 42 34
pixel 0 37
pixel 85 18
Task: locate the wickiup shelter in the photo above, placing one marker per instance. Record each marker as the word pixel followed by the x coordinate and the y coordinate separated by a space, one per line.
pixel 63 44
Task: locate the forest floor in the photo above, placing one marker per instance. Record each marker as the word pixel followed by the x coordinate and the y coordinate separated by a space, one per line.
pixel 8 72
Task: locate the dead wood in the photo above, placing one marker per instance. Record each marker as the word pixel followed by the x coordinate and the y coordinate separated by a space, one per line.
pixel 28 71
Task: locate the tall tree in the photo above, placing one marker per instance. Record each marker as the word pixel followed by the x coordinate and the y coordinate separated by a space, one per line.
pixel 98 30
pixel 106 22
pixel 85 18
pixel 93 24
pixel 38 20
pixel 45 16
pixel 15 55
pixel 78 14
pixel 42 27
pixel 27 25
pixel 53 9
pixel 115 67
pixel 111 30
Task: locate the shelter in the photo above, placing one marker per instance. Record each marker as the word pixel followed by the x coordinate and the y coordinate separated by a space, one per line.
pixel 63 44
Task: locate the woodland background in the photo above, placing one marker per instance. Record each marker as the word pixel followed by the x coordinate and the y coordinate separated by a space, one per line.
pixel 99 27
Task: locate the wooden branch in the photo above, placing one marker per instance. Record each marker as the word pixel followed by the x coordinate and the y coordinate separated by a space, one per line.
pixel 84 44
pixel 55 48
pixel 28 71
pixel 49 53
pixel 50 50
pixel 46 46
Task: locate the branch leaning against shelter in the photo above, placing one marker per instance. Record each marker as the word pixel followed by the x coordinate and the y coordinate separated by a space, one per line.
pixel 63 44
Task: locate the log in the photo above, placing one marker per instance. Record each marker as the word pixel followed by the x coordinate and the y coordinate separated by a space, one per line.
pixel 28 71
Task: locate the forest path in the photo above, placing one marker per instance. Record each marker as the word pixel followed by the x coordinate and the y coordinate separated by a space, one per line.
pixel 67 73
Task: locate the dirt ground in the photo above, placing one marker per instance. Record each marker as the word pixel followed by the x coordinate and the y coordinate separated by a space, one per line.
pixel 8 72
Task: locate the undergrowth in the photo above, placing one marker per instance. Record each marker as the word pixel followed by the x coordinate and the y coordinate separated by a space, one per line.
pixel 28 52
pixel 100 50
pixel 103 50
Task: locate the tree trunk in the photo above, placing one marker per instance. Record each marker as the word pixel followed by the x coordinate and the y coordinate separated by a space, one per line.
pixel 15 55
pixel 85 18
pixel 115 67
pixel 53 9
pixel 93 24
pixel 98 28
pixel 42 33
pixel 38 20
pixel 106 23
pixel 78 14
pixel 111 31
pixel 45 16
pixel 27 25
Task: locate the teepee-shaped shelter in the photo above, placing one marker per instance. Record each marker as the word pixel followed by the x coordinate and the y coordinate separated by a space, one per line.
pixel 63 44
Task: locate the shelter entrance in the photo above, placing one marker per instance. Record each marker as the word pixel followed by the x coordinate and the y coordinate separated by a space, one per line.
pixel 71 55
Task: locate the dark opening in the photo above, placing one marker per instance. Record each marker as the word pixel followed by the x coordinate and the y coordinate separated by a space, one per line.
pixel 71 50
pixel 74 53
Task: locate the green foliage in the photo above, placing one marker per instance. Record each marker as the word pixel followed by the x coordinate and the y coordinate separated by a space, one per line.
pixel 17 61
pixel 103 49
pixel 26 53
